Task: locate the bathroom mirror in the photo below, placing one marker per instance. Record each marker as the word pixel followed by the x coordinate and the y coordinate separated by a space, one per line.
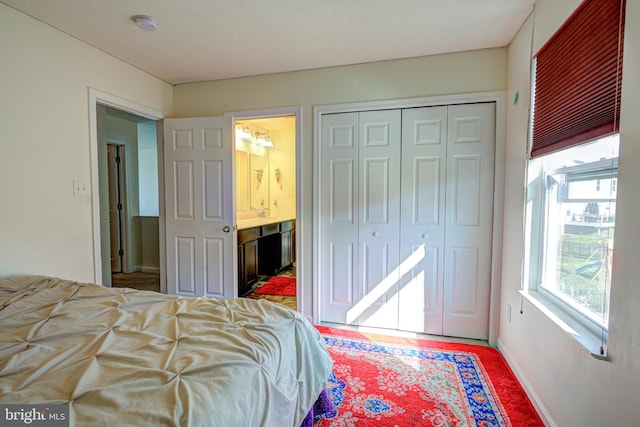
pixel 242 181
pixel 259 181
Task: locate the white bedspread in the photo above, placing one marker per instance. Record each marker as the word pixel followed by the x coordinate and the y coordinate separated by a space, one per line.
pixel 137 358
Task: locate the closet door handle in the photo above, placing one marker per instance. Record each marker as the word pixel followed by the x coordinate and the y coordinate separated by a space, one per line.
pixel 425 236
pixel 375 234
pixel 226 229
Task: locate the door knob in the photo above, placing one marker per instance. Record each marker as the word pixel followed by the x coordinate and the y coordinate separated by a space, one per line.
pixel 375 234
pixel 425 236
pixel 226 229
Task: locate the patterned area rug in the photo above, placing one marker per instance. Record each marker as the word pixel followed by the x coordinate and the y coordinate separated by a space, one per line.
pixel 385 381
pixel 278 285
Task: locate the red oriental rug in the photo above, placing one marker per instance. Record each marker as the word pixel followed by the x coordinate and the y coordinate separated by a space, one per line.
pixel 388 381
pixel 278 285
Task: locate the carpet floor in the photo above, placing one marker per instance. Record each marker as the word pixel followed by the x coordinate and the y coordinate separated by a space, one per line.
pixel 137 280
pixel 389 381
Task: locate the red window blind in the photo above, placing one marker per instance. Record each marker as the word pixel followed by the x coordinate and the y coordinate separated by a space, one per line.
pixel 578 78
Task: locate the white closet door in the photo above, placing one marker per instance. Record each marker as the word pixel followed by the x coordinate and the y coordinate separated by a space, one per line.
pixel 379 226
pixel 406 218
pixel 199 207
pixel 338 212
pixel 469 218
pixel 424 161
pixel 360 218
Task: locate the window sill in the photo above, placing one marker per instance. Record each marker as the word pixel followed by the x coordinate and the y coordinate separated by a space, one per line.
pixel 584 336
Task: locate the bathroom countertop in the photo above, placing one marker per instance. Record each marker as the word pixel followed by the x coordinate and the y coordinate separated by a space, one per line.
pixel 256 222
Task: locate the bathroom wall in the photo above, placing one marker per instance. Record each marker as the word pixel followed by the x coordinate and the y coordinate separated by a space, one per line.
pixel 272 197
pixel 283 158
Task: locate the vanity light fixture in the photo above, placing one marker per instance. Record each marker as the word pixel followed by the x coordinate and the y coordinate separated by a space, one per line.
pixel 243 133
pixel 263 140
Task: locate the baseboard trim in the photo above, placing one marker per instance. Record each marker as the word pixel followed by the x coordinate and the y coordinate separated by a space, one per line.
pixel 526 385
pixel 149 269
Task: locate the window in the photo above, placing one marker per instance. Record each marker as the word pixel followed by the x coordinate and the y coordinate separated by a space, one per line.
pixel 571 223
pixel 572 171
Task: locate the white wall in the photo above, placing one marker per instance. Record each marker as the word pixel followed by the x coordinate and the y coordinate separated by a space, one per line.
pixel 148 169
pixel 473 71
pixel 44 143
pixel 574 388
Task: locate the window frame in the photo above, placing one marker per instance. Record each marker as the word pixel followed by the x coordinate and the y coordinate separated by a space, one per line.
pixel 576 321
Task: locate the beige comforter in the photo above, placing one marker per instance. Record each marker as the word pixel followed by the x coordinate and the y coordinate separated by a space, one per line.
pixel 137 358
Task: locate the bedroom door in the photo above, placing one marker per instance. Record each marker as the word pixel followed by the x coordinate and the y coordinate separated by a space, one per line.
pixel 200 233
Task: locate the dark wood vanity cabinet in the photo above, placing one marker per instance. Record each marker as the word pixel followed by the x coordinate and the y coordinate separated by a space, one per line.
pixel 264 250
pixel 287 244
pixel 247 259
pixel 269 249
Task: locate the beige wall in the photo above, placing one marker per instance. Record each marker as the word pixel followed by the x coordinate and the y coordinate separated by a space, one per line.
pixel 574 388
pixel 468 72
pixel 44 143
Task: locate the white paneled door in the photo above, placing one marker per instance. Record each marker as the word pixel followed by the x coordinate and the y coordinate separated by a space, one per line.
pixel 406 218
pixel 469 220
pixel 379 219
pixel 199 207
pixel 359 217
pixel 424 168
pixel 339 231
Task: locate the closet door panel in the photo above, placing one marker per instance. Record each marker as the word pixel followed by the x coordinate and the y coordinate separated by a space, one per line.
pixel 379 211
pixel 424 154
pixel 465 174
pixel 341 281
pixel 469 219
pixel 338 217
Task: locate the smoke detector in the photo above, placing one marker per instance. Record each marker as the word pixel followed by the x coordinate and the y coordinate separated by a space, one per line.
pixel 145 22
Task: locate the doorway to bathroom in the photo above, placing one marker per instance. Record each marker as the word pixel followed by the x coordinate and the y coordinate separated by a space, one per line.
pixel 266 206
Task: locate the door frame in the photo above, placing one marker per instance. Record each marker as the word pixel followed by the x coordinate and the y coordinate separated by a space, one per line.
pixel 499 97
pixel 301 225
pixel 102 98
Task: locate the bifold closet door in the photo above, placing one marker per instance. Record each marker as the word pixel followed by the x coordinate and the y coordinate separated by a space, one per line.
pixel 339 275
pixel 360 218
pixel 424 166
pixel 379 213
pixel 406 217
pixel 447 216
pixel 469 220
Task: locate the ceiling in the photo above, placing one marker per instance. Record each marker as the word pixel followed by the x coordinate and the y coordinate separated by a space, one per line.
pixel 198 40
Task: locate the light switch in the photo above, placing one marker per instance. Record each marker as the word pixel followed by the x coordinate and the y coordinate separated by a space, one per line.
pixel 80 188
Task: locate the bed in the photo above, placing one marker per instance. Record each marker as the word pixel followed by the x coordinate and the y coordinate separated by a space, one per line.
pixel 128 357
